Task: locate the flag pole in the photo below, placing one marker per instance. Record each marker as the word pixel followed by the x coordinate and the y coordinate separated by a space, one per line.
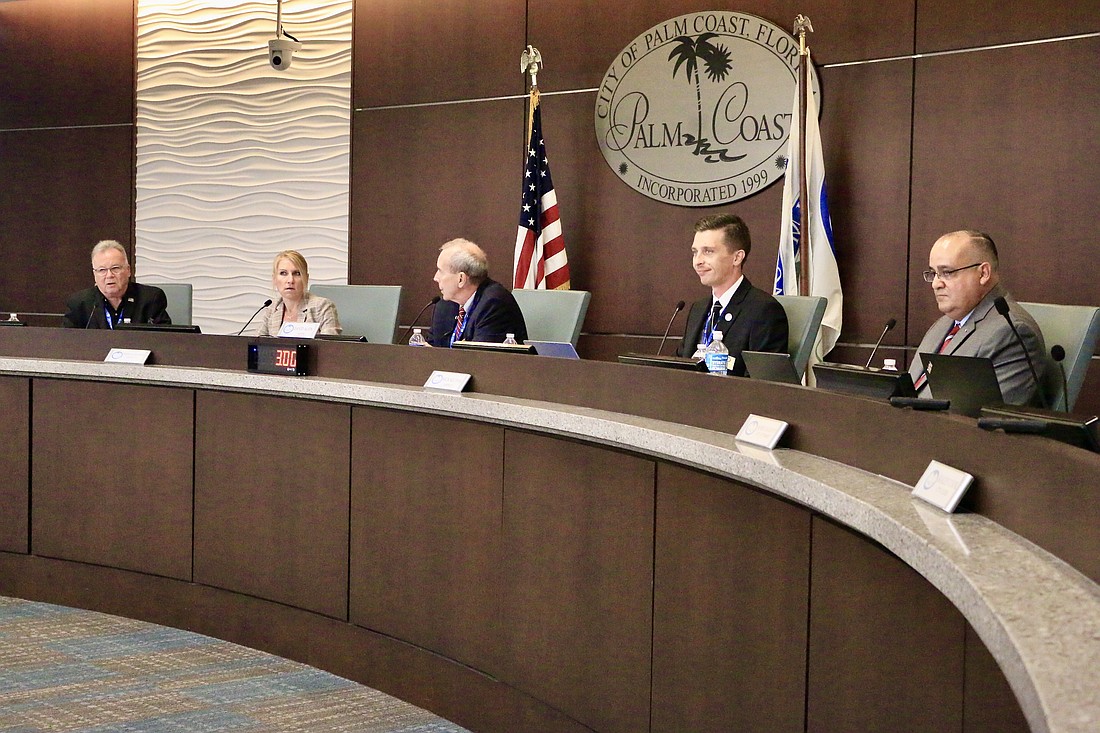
pixel 801 27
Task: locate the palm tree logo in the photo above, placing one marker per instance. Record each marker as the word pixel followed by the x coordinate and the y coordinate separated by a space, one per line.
pixel 716 58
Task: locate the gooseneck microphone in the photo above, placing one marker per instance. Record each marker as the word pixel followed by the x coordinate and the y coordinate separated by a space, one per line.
pixel 88 323
pixel 429 304
pixel 679 307
pixel 889 324
pixel 266 304
pixel 1059 354
pixel 1002 307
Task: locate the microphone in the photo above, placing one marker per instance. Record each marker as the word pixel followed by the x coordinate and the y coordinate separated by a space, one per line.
pixel 889 324
pixel 679 307
pixel 266 304
pixel 88 323
pixel 1059 354
pixel 1002 307
pixel 429 304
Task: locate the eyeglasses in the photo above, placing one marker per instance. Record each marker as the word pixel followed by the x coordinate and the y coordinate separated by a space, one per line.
pixel 946 275
pixel 101 271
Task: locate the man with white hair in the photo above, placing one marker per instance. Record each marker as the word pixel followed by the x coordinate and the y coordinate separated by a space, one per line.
pixel 474 307
pixel 114 299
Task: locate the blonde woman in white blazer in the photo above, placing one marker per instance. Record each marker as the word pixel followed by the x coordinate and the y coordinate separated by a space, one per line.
pixel 293 301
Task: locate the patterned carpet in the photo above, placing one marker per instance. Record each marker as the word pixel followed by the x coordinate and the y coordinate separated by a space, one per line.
pixel 63 669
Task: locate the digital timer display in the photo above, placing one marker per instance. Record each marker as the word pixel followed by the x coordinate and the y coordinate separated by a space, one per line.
pixel 278 359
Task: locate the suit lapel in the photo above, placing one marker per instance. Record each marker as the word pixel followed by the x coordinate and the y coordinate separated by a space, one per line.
pixel 980 312
pixel 733 309
pixel 475 309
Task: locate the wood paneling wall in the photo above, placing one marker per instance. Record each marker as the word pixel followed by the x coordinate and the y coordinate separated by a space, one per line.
pixel 66 144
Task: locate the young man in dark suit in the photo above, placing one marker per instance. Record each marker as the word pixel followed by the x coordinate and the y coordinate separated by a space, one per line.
pixel 749 318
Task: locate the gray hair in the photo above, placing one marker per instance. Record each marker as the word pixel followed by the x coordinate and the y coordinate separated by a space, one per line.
pixel 467 257
pixel 106 244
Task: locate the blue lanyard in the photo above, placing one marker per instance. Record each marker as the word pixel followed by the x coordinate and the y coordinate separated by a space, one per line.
pixel 107 314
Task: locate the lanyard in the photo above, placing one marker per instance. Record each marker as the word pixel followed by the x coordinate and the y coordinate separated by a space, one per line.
pixel 112 320
pixel 712 322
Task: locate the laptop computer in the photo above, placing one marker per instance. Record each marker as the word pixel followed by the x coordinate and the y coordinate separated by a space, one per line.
pixel 969 382
pixel 560 349
pixel 770 367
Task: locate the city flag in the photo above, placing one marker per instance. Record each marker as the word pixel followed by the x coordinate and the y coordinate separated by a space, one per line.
pixel 824 276
pixel 540 260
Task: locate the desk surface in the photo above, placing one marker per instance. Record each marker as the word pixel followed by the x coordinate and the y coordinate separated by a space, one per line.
pixel 1039 617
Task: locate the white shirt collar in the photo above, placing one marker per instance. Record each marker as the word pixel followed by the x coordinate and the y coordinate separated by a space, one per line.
pixel 724 298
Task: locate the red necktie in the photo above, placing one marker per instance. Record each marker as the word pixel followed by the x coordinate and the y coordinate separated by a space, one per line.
pixel 943 348
pixel 947 339
pixel 460 321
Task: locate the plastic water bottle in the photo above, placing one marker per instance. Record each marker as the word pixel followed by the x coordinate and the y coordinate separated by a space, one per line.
pixel 889 365
pixel 511 339
pixel 717 356
pixel 417 339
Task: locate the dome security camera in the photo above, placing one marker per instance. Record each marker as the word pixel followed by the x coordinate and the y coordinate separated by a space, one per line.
pixel 280 51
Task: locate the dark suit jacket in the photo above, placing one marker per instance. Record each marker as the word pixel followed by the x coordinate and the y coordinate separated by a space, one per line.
pixel 987 334
pixel 493 315
pixel 753 321
pixel 141 304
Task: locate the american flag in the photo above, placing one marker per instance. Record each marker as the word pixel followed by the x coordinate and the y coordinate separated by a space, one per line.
pixel 540 261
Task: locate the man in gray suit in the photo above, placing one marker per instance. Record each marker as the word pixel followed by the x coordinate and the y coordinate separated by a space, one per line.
pixel 962 268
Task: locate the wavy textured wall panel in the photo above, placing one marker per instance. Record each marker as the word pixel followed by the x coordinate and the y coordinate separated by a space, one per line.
pixel 237 161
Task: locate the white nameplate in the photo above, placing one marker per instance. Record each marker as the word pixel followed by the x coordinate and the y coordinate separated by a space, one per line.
pixel 942 486
pixel 299 330
pixel 128 356
pixel 761 431
pixel 447 381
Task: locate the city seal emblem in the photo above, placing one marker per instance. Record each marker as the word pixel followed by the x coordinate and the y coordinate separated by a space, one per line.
pixel 697 110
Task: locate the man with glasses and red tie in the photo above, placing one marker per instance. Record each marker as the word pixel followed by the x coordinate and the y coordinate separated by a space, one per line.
pixel 749 318
pixel 114 299
pixel 474 306
pixel 962 268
